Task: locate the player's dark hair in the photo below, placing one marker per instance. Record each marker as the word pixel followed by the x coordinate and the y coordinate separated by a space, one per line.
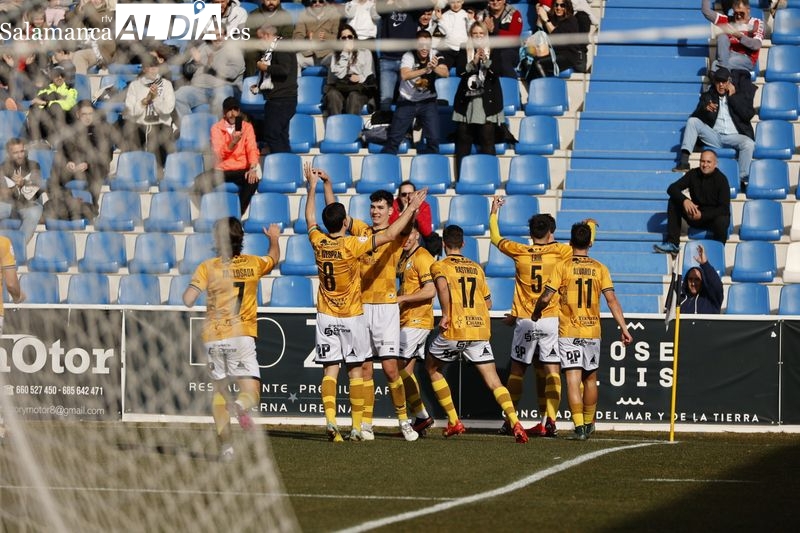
pixel 539 225
pixel 333 217
pixel 453 236
pixel 228 237
pixel 381 194
pixel 580 236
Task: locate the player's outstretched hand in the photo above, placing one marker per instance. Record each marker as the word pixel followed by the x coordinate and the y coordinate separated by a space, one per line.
pixel 701 255
pixel 417 197
pixel 273 232
pixel 310 176
pixel 497 203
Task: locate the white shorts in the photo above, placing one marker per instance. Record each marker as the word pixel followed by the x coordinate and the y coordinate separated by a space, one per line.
pixel 579 353
pixel 341 340
pixel 473 351
pixel 412 343
pixel 232 358
pixel 529 334
pixel 383 322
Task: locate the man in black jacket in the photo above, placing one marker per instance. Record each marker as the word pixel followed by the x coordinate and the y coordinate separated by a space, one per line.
pixel 278 82
pixel 708 205
pixel 722 120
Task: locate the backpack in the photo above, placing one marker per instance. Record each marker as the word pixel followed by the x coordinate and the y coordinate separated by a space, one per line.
pixel 537 59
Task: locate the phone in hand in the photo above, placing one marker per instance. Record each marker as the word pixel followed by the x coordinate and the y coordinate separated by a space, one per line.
pixel 237 126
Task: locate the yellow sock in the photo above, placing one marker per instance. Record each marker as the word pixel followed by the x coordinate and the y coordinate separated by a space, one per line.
pixel 588 413
pixel 219 408
pixel 413 398
pixel 398 393
pixel 552 392
pixel 329 398
pixel 357 401
pixel 541 390
pixel 369 400
pixel 514 386
pixel 246 400
pixel 442 391
pixel 503 399
pixel 577 414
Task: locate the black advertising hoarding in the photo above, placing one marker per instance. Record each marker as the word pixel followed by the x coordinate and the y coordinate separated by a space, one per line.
pixel 790 383
pixel 62 363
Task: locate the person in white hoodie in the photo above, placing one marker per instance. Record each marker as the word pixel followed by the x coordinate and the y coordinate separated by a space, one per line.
pixel 454 24
pixel 363 17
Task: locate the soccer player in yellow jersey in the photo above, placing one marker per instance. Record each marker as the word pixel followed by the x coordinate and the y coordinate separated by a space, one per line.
pixel 9 265
pixel 533 264
pixel 415 299
pixel 579 281
pixel 231 282
pixel 342 335
pixel 464 331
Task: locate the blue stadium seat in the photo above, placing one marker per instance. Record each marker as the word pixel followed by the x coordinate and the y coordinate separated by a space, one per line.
pixel 471 212
pixel 267 208
pixel 180 170
pixel 153 253
pixel 480 174
pixel 110 98
pixel 139 289
pixel 513 217
pixel 177 286
pixel 292 291
pixel 715 252
pixel 169 211
pixel 88 289
pixel 136 171
pixel 214 206
pixel 780 100
pixel 730 168
pixel 281 173
pixel 769 179
pixel 315 70
pixel 790 300
pixel 18 245
pixel 342 134
pixel 547 96
pixel 338 167
pixel 255 244
pixel 431 171
pixel 359 207
pixel 119 211
pixel 502 290
pixel 446 90
pixel 471 250
pixel 302 133
pixel 252 104
pixel 44 157
pixel 299 259
pixel 538 135
pixel 82 85
pixel 300 227
pixel 528 174
pixel 249 6
pixel 294 10
pixel 511 97
pixel 54 252
pixel 783 63
pixel 436 220
pixel 754 261
pixel 774 140
pixel 12 124
pixel 40 287
pixel 499 264
pixel 309 94
pixel 195 132
pixel 379 171
pixel 747 299
pixel 786 28
pixel 104 253
pixel 198 248
pixel 762 220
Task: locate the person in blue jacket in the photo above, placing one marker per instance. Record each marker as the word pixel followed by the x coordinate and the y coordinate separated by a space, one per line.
pixel 702 288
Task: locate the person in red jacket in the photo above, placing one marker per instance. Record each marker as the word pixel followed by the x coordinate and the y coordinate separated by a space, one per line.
pixel 424 221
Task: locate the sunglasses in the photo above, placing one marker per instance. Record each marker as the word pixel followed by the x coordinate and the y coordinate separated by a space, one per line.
pixel 404 194
pixel 347 37
pixel 559 5
pixel 739 14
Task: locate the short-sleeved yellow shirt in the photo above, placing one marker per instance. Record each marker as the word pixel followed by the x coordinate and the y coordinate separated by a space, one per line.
pixel 469 312
pixel 378 268
pixel 580 281
pixel 414 271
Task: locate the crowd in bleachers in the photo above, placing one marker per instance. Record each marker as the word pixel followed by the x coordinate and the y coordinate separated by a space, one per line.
pixel 154 106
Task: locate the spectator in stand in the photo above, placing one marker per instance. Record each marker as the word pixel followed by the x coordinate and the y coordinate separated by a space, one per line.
pixel 97 14
pixel 269 12
pixel 559 21
pixel 503 20
pixel 351 77
pixel 701 290
pixel 55 13
pixel 318 22
pixel 739 44
pixel 48 112
pixel 363 16
pixel 278 81
pixel 398 24
pixel 20 190
pixel 233 141
pixel 478 104
pixel 233 14
pixel 424 220
pixel 454 24
pixel 708 205
pixel 722 120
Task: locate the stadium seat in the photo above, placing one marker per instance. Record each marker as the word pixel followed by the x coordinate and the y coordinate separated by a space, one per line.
pixel 761 220
pixel 791 272
pixel 139 289
pixel 471 212
pixel 471 250
pixel 783 63
pixel 198 248
pixel 281 173
pixel 292 291
pixel 54 252
pixel 104 253
pixel 774 140
pixel 195 132
pixel 502 290
pixel 730 168
pixel 252 104
pixel 499 264
pixel 267 208
pixel 747 299
pixel 754 261
pixel 153 253
pixel 528 174
pixel 786 28
pixel 302 133
pixel 379 171
pixel 119 211
pixel 177 286
pixel 342 134
pixel 309 94
pixel 446 90
pixel 715 252
pixel 40 287
pixel 431 171
pixel 180 171
pixel 511 97
pixel 136 171
pixel 299 259
pixel 300 227
pixel 66 224
pixel 538 135
pixel 547 96
pixel 169 211
pixel 19 246
pixel 88 289
pixel 514 215
pixel 358 207
pixel 790 300
pixel 255 244
pixel 44 157
pixel 780 100
pixel 315 70
pixel 83 86
pixel 769 179
pixel 214 206
pixel 12 124
pixel 480 174
pixel 338 168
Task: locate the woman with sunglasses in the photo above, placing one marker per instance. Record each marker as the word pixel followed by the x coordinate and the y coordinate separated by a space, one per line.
pixel 351 77
pixel 739 45
pixel 560 20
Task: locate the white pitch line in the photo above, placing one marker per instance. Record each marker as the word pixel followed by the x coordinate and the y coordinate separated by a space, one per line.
pixel 665 480
pixel 524 482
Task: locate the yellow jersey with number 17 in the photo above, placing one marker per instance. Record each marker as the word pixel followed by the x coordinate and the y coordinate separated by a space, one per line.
pixel 469 313
pixel 580 281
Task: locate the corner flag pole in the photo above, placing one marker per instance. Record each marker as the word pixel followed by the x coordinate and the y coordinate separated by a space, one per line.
pixel 673 307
